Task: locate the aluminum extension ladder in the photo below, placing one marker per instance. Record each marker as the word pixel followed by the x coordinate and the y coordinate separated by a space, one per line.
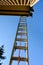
pixel 23 34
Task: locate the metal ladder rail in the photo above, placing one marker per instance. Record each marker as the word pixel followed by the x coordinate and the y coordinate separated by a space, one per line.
pixel 24 33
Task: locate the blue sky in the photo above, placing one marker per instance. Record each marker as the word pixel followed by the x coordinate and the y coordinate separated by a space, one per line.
pixel 8 27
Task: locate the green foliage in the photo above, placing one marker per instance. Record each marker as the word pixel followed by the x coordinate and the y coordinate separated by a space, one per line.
pixel 1 53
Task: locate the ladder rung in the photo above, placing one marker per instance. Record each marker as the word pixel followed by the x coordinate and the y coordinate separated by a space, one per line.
pixel 22 34
pixel 21 47
pixel 21 25
pixel 21 39
pixel 22 29
pixel 21 59
pixel 22 22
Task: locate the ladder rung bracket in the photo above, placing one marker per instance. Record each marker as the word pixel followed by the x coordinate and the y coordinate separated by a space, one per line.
pixel 21 39
pixel 21 47
pixel 21 59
